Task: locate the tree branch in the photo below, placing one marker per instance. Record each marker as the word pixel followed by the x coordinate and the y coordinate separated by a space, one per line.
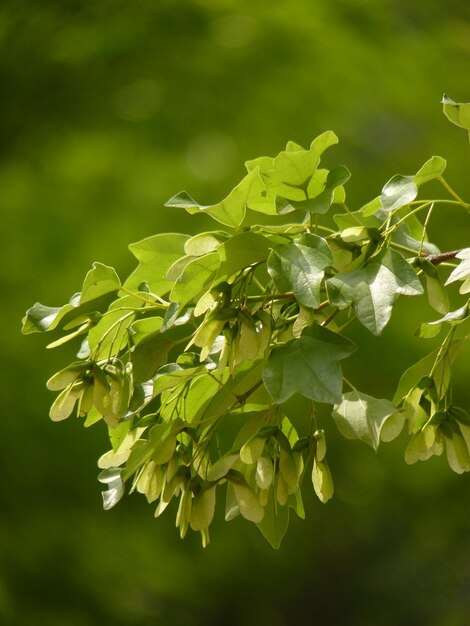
pixel 435 259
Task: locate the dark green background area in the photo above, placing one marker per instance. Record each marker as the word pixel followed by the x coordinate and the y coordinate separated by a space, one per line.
pixel 107 109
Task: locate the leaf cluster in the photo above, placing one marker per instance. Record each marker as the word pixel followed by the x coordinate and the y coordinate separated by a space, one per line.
pixel 192 359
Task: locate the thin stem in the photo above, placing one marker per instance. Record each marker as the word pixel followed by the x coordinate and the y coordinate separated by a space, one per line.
pixel 347 324
pixel 330 317
pixel 270 297
pixel 349 384
pixel 398 246
pixel 443 349
pixel 448 188
pixel 425 225
pixel 394 227
pixel 112 327
pixel 351 214
pixel 163 303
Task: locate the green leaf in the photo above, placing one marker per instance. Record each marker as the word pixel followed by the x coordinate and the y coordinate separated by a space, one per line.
pixel 66 338
pixel 359 416
pixel 219 400
pixel 462 271
pixel 207 333
pixel 373 289
pixel 432 169
pixel 438 297
pixel 457 112
pixel 274 524
pixel 196 278
pixel 40 318
pixel 413 375
pixel 67 376
pixel 204 243
pixel 357 219
pixel 155 255
pixel 308 365
pixel 220 468
pixel 152 351
pixel 140 330
pixel 240 251
pixel 99 281
pixel 110 335
pixel 171 375
pixel 453 318
pixel 300 267
pixel 322 202
pixel 290 175
pixel 230 211
pixel 398 192
pixel 296 167
pixel 64 404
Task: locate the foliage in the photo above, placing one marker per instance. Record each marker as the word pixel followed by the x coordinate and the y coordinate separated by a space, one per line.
pixel 191 361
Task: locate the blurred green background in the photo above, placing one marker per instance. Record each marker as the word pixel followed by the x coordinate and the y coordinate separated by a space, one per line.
pixel 107 109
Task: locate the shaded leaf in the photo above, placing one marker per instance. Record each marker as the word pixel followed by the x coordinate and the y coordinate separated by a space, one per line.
pixel 372 289
pixel 274 524
pixel 300 267
pixel 308 365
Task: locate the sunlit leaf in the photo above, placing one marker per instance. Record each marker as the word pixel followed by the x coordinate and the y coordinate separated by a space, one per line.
pixel 155 255
pixel 462 271
pixel 432 169
pixel 453 318
pixel 398 192
pixel 457 112
pixel 195 279
pixel 230 211
pixel 240 251
pixel 99 281
pixel 373 289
